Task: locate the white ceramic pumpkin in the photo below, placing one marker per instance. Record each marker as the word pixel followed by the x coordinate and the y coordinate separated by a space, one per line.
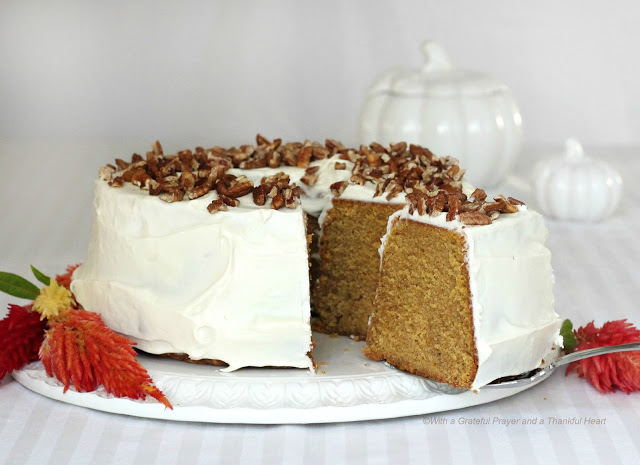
pixel 465 114
pixel 575 187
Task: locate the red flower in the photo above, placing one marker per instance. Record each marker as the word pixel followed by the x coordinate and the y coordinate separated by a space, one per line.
pixel 65 279
pixel 21 334
pixel 610 371
pixel 80 349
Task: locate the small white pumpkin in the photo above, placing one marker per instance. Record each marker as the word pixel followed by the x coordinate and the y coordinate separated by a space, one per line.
pixel 464 114
pixel 575 187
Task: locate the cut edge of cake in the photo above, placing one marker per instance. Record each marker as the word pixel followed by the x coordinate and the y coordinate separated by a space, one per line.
pixel 510 287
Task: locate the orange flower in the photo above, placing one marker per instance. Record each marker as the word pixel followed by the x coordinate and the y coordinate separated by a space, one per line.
pixel 65 279
pixel 80 350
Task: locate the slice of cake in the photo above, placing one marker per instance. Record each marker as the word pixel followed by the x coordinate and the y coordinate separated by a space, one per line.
pixel 463 299
pixel 355 221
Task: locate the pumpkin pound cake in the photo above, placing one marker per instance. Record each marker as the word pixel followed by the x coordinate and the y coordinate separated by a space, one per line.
pixel 462 299
pixel 348 276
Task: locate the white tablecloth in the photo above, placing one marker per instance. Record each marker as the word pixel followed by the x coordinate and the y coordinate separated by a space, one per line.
pixel 45 211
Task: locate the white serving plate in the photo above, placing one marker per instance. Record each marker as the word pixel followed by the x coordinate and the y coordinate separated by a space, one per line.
pixel 347 387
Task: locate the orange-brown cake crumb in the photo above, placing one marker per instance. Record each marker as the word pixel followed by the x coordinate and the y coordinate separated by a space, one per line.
pixel 350 263
pixel 422 319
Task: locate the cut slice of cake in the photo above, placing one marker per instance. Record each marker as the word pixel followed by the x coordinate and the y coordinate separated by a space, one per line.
pixel 348 270
pixel 464 304
pixel 355 221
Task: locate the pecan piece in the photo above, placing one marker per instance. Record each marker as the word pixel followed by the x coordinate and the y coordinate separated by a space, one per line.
pixel 320 153
pixel 474 218
pixel 479 195
pixel 175 195
pixel 505 207
pixel 491 207
pixel 337 188
pixel 106 172
pixel 253 164
pixel 373 159
pixel 454 206
pixel 187 181
pixel 229 201
pixel 471 206
pixel 438 203
pixel 398 148
pixel 202 187
pixel 310 179
pixel 273 159
pixel 376 147
pixel 259 195
pixel 238 187
pixel 333 145
pixel 304 157
pixel 157 148
pixel 117 182
pixel 261 140
pixel 277 202
pixel 121 164
pixel 140 178
pixel 358 179
pixel 216 206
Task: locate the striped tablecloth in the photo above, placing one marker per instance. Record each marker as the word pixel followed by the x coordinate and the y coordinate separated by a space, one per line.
pixel 45 211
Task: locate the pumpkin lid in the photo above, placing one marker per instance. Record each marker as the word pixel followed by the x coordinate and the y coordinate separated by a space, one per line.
pixel 437 77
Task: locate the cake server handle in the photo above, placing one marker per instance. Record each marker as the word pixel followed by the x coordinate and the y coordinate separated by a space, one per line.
pixel 541 373
pixel 582 354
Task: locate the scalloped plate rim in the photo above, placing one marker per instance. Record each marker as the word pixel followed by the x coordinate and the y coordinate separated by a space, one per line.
pixel 34 378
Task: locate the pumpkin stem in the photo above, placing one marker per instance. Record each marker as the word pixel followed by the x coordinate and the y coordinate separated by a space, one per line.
pixel 574 151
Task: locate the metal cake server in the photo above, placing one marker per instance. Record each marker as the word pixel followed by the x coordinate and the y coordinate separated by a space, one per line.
pixel 540 373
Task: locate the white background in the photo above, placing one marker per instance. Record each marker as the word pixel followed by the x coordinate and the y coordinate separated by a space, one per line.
pixel 202 72
pixel 205 72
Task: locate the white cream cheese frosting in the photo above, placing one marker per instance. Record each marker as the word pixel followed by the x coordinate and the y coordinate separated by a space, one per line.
pixel 511 284
pixel 232 286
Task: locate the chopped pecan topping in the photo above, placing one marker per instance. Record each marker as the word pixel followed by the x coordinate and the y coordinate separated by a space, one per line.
pixel 277 202
pixel 310 179
pixel 474 218
pixel 157 148
pixel 304 156
pixel 454 206
pixel 479 195
pixel 432 184
pixel 259 195
pixel 172 196
pixel 202 187
pixel 216 206
pixel 230 201
pixel 337 188
pixel 106 172
pixel 117 182
pixel 121 164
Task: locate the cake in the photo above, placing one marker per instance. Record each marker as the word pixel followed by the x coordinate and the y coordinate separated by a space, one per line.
pixel 470 298
pixel 219 271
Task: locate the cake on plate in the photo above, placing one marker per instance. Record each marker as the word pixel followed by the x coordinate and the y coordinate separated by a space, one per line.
pixel 464 303
pixel 204 255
